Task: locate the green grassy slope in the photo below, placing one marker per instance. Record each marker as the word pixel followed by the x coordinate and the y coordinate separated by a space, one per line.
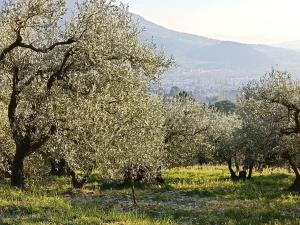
pixel 196 195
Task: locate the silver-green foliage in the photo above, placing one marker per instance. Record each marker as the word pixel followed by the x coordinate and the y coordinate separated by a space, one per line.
pixel 79 88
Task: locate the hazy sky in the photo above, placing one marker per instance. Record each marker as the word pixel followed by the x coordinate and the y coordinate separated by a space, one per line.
pixel 254 21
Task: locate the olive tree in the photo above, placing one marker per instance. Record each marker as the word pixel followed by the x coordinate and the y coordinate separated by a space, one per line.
pixel 45 62
pixel 112 132
pixel 258 134
pixel 186 124
pixel 222 137
pixel 277 96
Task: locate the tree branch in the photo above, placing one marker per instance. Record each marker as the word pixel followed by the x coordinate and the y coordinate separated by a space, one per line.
pixel 57 74
pixel 51 47
pixel 18 43
pixel 13 103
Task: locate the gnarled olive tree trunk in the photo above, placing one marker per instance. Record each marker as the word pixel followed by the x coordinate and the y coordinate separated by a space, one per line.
pixel 251 166
pixel 233 175
pixel 78 181
pixel 141 175
pixel 296 185
pixel 17 169
pixel 58 168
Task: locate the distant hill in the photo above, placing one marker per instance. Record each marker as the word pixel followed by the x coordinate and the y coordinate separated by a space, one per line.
pixel 197 52
pixel 214 69
pixel 290 45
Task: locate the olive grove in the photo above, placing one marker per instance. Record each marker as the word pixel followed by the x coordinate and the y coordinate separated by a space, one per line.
pixel 186 124
pixel 75 90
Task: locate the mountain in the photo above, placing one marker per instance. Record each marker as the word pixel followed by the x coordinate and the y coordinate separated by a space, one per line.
pixel 295 45
pixel 181 45
pixel 215 68
pixel 194 51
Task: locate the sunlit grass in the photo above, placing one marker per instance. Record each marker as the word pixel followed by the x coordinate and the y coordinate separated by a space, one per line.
pixel 195 195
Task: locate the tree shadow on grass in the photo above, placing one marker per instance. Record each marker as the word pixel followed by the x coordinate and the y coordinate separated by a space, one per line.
pixel 15 210
pixel 266 186
pixel 12 213
pixel 213 202
pixel 262 186
pixel 259 215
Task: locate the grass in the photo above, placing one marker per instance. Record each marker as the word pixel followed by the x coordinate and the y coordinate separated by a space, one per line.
pixel 195 195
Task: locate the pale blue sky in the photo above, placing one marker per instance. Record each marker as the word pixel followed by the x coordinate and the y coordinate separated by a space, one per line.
pixel 252 21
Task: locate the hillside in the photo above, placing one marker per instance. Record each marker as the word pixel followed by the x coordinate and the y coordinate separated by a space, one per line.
pixel 195 51
pixel 210 67
pixel 290 45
